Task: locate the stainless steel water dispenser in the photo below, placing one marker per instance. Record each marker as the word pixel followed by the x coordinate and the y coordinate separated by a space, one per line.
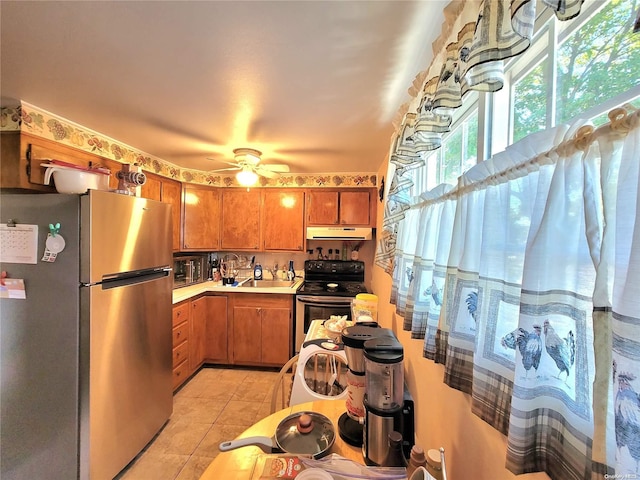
pixel 387 403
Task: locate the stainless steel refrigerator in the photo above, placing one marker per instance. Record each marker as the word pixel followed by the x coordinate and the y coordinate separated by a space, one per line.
pixel 85 359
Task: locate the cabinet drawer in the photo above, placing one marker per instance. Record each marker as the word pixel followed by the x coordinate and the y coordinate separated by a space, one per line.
pixel 180 333
pixel 180 374
pixel 180 313
pixel 180 353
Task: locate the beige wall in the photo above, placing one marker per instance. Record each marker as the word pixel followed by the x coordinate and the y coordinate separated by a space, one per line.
pixel 473 449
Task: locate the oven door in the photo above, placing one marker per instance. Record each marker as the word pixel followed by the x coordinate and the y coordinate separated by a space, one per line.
pixel 317 307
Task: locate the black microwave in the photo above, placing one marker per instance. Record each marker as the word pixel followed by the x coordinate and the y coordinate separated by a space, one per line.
pixel 188 270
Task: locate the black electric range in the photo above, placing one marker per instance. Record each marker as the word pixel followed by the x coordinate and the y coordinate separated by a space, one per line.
pixel 333 277
pixel 328 289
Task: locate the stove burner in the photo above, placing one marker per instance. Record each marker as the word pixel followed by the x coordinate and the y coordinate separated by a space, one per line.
pixel 342 288
pixel 337 278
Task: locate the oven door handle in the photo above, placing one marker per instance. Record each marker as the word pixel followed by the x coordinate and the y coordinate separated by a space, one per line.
pixel 323 301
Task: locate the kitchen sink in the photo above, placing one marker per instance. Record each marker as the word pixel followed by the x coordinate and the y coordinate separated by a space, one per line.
pixel 266 283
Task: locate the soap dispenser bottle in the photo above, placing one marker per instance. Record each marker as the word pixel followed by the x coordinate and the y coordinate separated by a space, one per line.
pixel 257 272
pixel 291 274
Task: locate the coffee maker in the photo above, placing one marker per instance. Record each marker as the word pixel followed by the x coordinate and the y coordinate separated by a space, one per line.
pixel 350 423
pixel 387 403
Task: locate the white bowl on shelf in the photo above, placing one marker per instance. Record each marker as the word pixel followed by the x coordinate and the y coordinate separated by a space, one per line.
pixel 74 180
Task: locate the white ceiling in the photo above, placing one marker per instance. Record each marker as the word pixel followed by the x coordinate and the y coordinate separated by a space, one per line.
pixel 314 84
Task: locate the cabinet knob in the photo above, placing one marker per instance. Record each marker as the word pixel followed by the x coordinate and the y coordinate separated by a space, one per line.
pixel 178 334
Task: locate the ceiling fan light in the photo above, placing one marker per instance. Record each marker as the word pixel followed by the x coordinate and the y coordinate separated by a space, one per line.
pixel 246 177
pixel 248 155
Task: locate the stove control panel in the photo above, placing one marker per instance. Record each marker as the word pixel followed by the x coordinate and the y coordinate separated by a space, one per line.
pixel 334 266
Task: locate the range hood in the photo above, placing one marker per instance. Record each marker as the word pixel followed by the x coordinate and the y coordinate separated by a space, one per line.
pixel 338 233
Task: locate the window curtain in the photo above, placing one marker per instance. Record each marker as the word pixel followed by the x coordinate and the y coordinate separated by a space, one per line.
pixel 520 279
pixel 478 36
pixel 523 284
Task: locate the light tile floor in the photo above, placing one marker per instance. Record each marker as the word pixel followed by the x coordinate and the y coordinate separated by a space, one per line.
pixel 215 405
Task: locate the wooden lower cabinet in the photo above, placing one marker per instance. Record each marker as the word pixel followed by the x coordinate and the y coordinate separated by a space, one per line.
pixel 208 331
pixel 238 328
pixel 199 314
pixel 262 329
pixel 181 327
pixel 216 331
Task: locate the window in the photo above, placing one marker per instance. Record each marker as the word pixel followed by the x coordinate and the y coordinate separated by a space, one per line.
pixel 581 68
pixel 594 68
pixel 460 149
pixel 529 103
pixel 598 61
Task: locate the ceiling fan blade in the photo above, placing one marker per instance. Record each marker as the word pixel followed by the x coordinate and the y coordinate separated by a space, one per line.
pixel 308 151
pixel 225 169
pixel 275 167
pixel 235 164
pixel 267 173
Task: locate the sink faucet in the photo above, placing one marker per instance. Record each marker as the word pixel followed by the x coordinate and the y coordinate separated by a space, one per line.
pixel 273 271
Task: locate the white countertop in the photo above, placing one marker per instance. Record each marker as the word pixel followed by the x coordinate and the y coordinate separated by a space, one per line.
pixel 185 293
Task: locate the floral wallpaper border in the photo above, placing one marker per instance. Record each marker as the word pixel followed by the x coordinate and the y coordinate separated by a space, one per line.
pixel 33 120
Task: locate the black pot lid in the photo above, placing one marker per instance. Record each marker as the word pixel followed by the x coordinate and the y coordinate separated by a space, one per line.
pixel 305 433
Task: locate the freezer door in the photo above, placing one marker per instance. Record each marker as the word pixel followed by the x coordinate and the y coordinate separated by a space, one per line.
pixel 121 233
pixel 126 371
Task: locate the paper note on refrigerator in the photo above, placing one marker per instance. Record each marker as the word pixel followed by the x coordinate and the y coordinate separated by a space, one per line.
pixel 12 288
pixel 19 244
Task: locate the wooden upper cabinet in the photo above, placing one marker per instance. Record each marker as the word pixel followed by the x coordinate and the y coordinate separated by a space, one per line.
pixel 22 155
pixel 341 207
pixel 322 208
pixel 172 194
pixel 240 219
pixel 354 208
pixel 283 220
pixel 152 188
pixel 201 220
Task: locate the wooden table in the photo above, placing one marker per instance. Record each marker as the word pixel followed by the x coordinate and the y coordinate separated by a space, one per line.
pixel 238 464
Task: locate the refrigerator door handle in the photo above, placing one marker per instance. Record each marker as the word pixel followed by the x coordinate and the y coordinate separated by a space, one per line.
pixel 131 278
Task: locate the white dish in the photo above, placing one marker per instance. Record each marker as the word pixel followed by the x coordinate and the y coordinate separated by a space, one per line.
pixel 73 180
pixel 332 285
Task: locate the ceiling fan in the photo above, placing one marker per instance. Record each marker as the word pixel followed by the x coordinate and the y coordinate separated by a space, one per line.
pixel 247 163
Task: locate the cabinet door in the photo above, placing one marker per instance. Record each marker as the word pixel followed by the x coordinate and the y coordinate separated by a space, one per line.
pixel 283 220
pixel 247 335
pixel 276 335
pixel 180 313
pixel 354 208
pixel 322 208
pixel 197 335
pixel 201 218
pixel 171 194
pixel 216 337
pixel 152 188
pixel 240 219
